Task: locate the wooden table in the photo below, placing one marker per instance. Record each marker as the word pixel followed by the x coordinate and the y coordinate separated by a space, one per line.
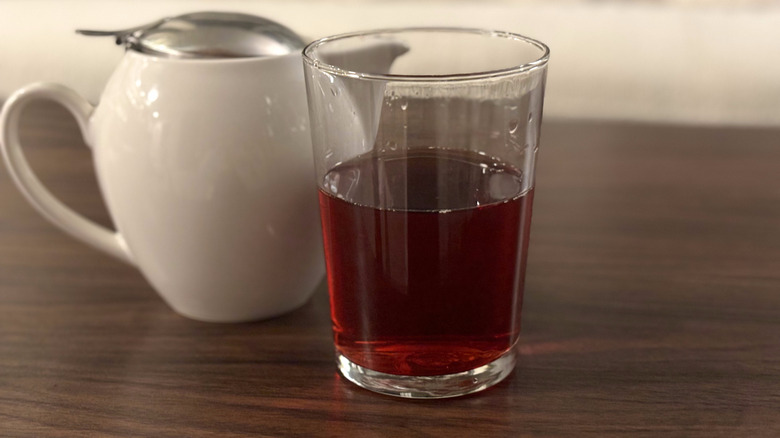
pixel 652 307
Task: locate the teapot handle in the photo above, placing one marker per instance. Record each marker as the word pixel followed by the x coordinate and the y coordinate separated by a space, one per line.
pixel 50 207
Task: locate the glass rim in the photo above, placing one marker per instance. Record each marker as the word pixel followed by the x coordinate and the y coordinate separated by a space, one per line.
pixel 524 67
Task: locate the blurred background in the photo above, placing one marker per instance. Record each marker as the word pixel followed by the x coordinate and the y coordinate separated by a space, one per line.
pixel 672 61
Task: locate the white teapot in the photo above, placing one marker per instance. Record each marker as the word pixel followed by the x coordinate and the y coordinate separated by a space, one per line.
pixel 203 155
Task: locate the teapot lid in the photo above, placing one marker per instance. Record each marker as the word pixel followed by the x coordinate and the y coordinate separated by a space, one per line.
pixel 208 35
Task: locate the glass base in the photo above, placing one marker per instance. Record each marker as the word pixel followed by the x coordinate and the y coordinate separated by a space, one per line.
pixel 429 387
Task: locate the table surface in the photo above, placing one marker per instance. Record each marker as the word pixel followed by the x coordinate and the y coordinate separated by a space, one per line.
pixel 652 306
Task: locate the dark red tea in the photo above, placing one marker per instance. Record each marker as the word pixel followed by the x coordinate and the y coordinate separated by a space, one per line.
pixel 426 255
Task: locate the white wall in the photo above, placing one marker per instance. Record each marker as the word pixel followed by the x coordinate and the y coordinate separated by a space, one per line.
pixel 678 61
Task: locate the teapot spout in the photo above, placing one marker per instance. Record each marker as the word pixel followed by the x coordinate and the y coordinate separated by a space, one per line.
pixel 354 105
pixel 375 58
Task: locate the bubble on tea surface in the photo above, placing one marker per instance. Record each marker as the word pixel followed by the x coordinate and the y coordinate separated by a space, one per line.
pixel 513 125
pixel 504 185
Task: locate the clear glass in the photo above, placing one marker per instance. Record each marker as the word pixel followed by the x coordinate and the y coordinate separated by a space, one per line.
pixel 425 144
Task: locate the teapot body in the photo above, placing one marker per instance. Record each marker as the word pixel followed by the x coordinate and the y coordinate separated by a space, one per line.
pixel 206 168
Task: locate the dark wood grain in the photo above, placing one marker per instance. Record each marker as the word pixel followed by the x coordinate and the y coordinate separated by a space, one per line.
pixel 652 308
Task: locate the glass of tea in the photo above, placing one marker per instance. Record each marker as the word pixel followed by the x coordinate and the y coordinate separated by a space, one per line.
pixel 425 144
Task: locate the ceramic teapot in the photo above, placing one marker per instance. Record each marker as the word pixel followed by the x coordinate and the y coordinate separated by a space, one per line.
pixel 202 151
